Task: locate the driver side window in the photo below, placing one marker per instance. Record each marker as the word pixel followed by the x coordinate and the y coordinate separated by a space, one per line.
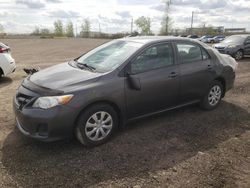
pixel 154 57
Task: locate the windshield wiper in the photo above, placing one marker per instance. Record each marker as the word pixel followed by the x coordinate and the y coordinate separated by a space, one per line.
pixel 87 66
pixel 84 65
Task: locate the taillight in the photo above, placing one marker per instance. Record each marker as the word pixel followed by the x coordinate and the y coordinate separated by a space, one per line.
pixel 4 50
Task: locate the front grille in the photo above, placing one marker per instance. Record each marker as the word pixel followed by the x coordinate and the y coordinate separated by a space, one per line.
pixel 23 99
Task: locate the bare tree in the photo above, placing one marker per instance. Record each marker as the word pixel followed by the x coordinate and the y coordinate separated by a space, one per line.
pixel 85 28
pixel 144 24
pixel 58 28
pixel 36 31
pixel 166 22
pixel 1 28
pixel 44 32
pixel 69 29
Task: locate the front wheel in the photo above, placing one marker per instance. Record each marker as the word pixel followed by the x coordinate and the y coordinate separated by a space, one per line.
pixel 96 125
pixel 239 55
pixel 213 97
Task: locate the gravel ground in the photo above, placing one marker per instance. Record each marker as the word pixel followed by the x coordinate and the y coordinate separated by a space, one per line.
pixel 187 147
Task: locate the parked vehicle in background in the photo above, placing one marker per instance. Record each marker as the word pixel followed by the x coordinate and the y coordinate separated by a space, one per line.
pixel 182 35
pixel 216 39
pixel 122 80
pixel 193 36
pixel 206 38
pixel 7 63
pixel 236 45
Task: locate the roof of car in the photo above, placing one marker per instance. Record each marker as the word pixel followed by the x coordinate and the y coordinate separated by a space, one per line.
pixel 242 35
pixel 149 39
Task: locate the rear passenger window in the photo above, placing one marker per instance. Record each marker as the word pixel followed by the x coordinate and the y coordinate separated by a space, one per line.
pixel 189 52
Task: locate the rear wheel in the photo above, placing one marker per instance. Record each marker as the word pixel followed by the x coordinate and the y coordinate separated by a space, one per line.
pixel 96 125
pixel 239 55
pixel 213 97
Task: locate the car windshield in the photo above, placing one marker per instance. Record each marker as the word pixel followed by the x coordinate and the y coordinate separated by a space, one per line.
pixel 235 39
pixel 109 56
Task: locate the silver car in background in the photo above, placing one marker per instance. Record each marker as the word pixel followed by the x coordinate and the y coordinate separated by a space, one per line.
pixel 7 63
pixel 236 45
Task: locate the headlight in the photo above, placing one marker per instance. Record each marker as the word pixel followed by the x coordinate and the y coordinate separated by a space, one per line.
pixel 231 46
pixel 49 102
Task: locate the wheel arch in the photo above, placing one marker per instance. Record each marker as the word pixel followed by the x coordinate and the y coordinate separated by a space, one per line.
pixel 1 72
pixel 108 102
pixel 223 82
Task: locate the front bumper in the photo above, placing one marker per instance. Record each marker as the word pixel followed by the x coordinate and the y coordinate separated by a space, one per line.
pixel 46 125
pixel 229 51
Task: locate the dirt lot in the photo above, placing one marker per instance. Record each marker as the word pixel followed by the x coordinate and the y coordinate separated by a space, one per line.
pixel 182 148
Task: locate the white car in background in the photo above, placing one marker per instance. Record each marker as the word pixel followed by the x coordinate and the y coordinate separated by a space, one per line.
pixel 7 63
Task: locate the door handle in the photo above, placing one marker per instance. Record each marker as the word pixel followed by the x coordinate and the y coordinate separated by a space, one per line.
pixel 173 75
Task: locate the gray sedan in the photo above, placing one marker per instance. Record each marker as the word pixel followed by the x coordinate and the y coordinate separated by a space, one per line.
pixel 120 81
pixel 236 45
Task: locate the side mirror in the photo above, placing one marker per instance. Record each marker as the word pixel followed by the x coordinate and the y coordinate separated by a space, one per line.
pixel 134 81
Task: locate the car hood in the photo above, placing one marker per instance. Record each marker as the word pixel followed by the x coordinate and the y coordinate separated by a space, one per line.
pixel 62 77
pixel 224 45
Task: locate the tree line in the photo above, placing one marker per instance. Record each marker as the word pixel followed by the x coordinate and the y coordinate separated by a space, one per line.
pixel 61 30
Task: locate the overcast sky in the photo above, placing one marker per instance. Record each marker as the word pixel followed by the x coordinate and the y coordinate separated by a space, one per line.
pixel 21 16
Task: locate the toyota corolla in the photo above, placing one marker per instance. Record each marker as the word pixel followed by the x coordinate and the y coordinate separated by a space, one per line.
pixel 119 81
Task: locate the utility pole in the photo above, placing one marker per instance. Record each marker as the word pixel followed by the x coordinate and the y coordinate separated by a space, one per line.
pixel 99 28
pixel 192 21
pixel 167 10
pixel 76 29
pixel 132 24
pixel 204 29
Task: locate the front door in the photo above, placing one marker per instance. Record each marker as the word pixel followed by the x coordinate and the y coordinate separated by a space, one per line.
pixel 247 46
pixel 158 76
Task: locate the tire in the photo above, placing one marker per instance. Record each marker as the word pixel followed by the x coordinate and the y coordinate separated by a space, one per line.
pixel 239 55
pixel 213 96
pixel 96 125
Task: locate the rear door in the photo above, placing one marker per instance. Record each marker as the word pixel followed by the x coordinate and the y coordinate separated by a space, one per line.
pixel 158 76
pixel 196 71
